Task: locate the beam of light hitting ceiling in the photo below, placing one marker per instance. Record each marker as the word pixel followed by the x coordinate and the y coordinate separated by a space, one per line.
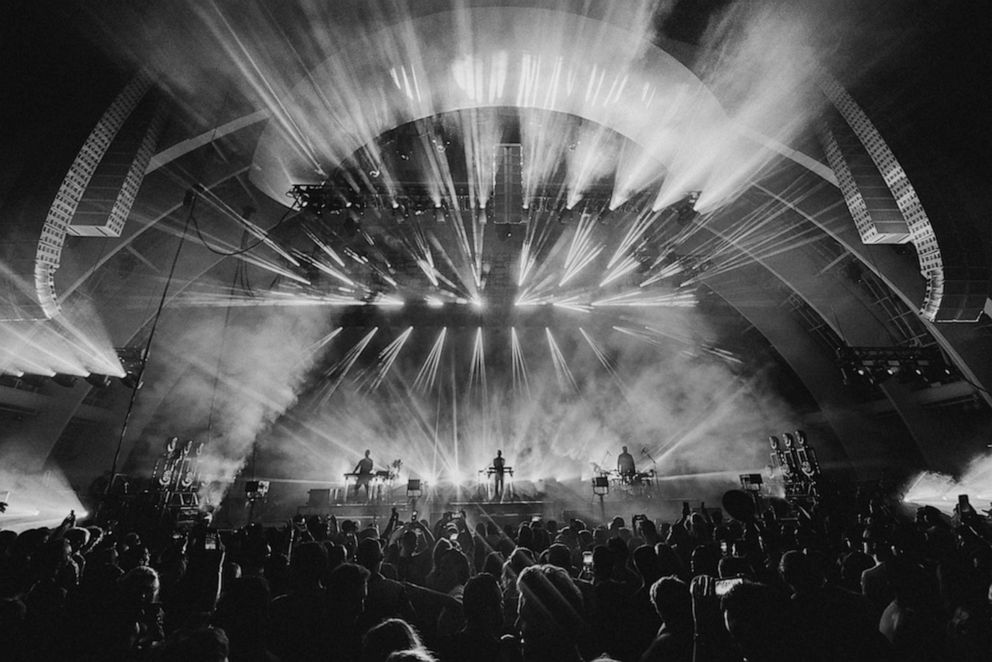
pixel 544 139
pixel 557 61
pixel 53 346
pixel 253 73
pixel 518 366
pixel 36 349
pixel 427 375
pixel 73 341
pixel 480 136
pixel 336 374
pixel 592 158
pixel 101 360
pixel 566 380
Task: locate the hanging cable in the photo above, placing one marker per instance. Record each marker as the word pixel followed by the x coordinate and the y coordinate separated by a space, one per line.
pixel 244 249
pixel 223 342
pixel 191 198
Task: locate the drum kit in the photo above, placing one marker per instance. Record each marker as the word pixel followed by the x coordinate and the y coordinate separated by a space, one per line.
pixel 640 483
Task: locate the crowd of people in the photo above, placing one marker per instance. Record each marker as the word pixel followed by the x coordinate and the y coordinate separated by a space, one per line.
pixel 841 579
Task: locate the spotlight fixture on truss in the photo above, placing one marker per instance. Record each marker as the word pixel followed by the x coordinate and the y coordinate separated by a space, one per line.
pixel 685 209
pixel 874 365
pixel 131 361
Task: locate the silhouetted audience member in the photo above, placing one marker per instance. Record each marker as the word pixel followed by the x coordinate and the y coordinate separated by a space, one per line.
pixel 800 588
pixel 347 588
pixel 760 623
pixel 298 616
pixel 479 639
pixel 390 636
pixel 386 597
pixel 551 615
pixel 673 641
pixel 200 645
pixel 833 623
pixel 243 614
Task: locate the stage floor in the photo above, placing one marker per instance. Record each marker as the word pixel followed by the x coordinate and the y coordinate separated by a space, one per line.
pixel 546 499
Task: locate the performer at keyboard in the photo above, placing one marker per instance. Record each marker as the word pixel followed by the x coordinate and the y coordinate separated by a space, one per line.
pixel 499 468
pixel 364 474
pixel 625 466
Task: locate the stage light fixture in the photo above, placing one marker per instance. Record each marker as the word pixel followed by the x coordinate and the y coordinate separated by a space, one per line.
pixel 34 381
pixel 97 380
pixel 131 381
pixel 64 380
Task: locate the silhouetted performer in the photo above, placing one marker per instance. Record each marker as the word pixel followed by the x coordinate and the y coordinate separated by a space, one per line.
pixel 499 466
pixel 625 466
pixel 363 477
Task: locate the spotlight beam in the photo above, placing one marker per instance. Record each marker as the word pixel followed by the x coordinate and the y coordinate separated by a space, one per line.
pixel 521 381
pixel 427 376
pixel 566 380
pixel 387 357
pixel 336 374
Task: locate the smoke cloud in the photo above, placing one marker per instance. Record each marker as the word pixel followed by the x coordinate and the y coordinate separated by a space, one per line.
pixel 941 490
pixel 691 412
pixel 223 378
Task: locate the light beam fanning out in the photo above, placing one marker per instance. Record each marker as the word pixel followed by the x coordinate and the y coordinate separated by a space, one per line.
pixel 521 381
pixel 427 376
pixel 387 357
pixel 336 374
pixel 566 380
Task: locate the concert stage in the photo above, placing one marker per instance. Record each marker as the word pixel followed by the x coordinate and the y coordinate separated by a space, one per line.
pixel 523 500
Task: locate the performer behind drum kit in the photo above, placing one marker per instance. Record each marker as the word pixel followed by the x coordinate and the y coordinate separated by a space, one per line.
pixel 626 467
